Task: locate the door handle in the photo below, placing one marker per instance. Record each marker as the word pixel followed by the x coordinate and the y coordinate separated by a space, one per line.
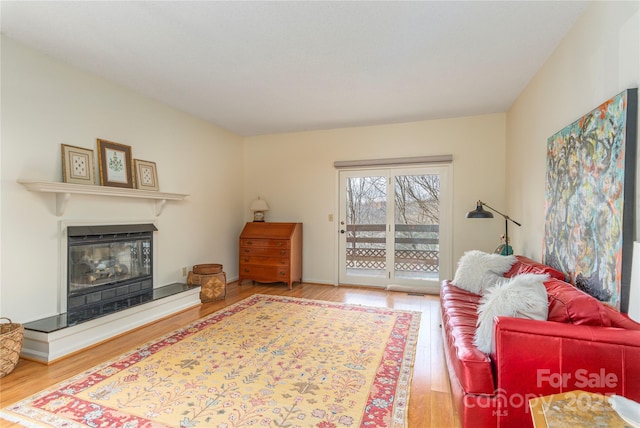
pixel 342 230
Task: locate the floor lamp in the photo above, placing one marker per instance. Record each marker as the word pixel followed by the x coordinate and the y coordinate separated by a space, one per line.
pixel 480 212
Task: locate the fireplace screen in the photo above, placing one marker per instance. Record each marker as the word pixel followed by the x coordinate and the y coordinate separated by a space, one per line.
pixel 109 268
pixel 93 263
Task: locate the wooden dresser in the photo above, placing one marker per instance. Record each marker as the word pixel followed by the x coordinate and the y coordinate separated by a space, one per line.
pixel 271 252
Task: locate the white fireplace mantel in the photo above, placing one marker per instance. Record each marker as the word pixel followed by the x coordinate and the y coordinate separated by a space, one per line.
pixel 63 192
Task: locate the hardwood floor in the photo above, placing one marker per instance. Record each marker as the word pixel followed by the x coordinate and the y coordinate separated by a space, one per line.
pixel 430 398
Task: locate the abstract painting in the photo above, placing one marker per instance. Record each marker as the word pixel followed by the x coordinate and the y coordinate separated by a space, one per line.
pixel 589 207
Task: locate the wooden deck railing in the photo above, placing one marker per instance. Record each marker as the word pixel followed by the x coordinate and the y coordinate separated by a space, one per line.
pixel 366 247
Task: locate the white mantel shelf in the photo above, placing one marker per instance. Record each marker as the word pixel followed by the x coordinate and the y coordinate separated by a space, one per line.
pixel 63 192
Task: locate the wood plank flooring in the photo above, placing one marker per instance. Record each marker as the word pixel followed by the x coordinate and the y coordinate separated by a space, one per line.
pixel 430 398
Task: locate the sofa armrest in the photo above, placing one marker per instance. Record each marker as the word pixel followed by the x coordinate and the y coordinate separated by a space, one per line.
pixel 534 358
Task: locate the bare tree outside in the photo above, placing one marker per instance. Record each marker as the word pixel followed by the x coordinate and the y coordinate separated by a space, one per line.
pixel 418 199
pixel 366 200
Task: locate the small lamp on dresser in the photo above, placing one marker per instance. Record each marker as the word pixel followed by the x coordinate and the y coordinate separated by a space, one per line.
pixel 259 206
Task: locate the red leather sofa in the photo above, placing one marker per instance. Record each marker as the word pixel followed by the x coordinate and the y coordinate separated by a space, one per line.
pixel 584 345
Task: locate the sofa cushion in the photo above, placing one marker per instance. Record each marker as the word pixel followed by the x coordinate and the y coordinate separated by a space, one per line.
pixel 478 271
pixel 526 265
pixel 522 296
pixel 568 304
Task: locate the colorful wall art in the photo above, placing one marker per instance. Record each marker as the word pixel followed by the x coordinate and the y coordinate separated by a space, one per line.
pixel 590 189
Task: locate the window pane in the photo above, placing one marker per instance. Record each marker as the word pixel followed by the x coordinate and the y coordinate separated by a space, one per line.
pixel 417 217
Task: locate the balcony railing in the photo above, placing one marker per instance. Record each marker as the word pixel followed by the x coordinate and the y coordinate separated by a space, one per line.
pixel 416 247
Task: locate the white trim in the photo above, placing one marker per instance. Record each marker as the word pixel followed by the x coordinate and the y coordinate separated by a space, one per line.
pixel 336 231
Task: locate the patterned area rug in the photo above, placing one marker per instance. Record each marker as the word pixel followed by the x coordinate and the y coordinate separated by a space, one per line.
pixel 267 361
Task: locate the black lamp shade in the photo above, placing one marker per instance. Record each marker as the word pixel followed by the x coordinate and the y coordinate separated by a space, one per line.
pixel 479 212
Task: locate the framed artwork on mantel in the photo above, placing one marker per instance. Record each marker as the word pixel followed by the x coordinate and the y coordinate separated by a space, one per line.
pixel 146 175
pixel 116 169
pixel 77 165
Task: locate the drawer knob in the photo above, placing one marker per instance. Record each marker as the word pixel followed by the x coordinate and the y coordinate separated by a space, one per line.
pixel 246 270
pixel 282 274
pixel 282 252
pixel 249 243
pixel 246 260
pixel 279 244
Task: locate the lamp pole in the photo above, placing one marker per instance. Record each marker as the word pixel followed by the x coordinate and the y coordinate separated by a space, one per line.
pixel 506 235
pixel 506 224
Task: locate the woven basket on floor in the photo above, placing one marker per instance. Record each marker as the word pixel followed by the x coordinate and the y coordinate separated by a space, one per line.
pixel 213 287
pixel 207 269
pixel 10 345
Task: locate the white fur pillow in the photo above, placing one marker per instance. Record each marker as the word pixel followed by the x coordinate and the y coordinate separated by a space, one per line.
pixel 522 296
pixel 477 271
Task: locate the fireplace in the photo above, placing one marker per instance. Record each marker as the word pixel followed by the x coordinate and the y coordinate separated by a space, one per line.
pixel 109 268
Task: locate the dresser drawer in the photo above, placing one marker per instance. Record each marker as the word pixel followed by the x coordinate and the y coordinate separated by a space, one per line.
pixel 264 251
pixel 264 273
pixel 264 261
pixel 269 243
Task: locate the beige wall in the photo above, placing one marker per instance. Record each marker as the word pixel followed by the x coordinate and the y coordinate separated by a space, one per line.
pixel 46 103
pixel 597 60
pixel 295 174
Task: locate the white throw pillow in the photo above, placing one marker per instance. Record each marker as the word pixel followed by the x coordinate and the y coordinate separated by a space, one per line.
pixel 478 271
pixel 522 296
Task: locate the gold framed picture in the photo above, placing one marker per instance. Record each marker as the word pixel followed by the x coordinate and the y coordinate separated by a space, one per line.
pixel 77 165
pixel 116 169
pixel 146 175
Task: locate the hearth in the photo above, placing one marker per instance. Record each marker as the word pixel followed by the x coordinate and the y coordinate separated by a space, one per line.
pixel 110 268
pixel 107 287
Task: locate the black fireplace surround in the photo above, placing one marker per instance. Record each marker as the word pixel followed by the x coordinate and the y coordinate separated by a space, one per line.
pixel 109 268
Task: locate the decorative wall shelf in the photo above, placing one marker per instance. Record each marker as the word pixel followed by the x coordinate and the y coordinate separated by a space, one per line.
pixel 63 192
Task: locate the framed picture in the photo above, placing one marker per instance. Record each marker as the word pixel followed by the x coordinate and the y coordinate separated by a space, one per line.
pixel 77 165
pixel 114 160
pixel 590 199
pixel 146 175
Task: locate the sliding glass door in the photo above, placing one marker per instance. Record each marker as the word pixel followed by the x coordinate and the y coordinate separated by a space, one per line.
pixel 394 227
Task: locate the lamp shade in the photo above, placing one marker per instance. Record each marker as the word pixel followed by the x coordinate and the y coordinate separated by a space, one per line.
pixel 479 212
pixel 259 205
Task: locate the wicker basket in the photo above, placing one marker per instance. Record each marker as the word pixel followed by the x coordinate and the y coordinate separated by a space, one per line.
pixel 213 287
pixel 11 335
pixel 207 269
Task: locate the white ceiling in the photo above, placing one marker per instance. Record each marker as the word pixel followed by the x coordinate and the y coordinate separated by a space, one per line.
pixel 270 67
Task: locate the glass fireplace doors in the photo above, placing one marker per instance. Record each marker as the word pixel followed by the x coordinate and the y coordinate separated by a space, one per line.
pixel 109 268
